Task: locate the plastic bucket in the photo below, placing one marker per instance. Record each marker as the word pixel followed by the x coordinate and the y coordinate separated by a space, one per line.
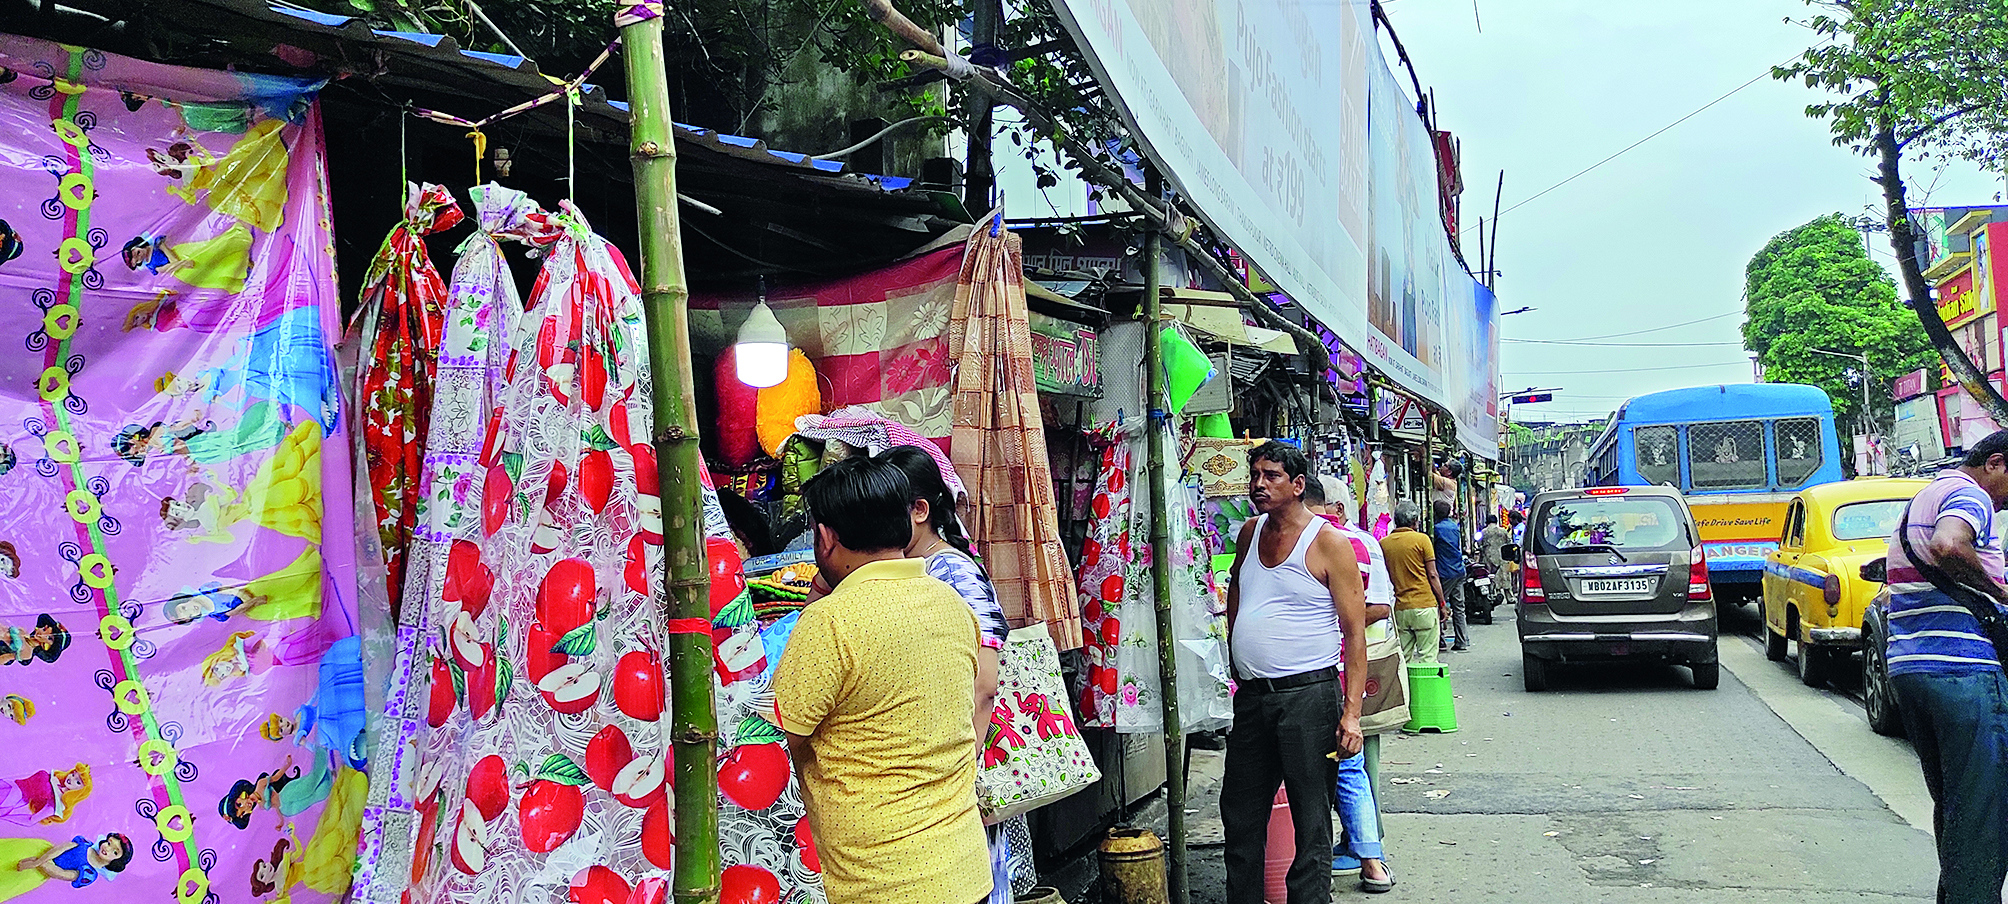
pixel 1431 704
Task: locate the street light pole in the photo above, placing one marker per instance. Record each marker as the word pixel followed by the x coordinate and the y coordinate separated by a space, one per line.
pixel 1868 418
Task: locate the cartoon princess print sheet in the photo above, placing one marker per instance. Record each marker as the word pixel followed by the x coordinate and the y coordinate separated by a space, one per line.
pixel 182 681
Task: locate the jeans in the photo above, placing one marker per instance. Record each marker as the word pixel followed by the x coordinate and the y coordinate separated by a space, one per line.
pixel 1453 593
pixel 1959 726
pixel 1281 737
pixel 1357 810
pixel 1418 630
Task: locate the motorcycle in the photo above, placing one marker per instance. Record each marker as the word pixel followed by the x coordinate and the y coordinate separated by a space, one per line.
pixel 1483 591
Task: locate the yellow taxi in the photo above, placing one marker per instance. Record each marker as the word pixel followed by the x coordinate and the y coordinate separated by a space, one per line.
pixel 1813 591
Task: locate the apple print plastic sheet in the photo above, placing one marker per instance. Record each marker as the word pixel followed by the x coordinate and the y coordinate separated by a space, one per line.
pixel 178 656
pixel 480 319
pixel 542 759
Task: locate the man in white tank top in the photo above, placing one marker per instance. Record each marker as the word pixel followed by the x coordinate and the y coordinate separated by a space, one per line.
pixel 1296 633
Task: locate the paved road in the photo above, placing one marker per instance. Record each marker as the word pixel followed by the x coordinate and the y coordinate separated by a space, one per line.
pixel 1624 783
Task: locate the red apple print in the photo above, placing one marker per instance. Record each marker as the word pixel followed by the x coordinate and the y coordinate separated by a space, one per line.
pixel 1112 631
pixel 1117 480
pixel 540 658
pixel 728 572
pixel 481 687
pixel 488 786
pixel 637 573
pixel 747 884
pixel 550 813
pixel 596 479
pixel 606 755
pixel 1092 610
pixel 593 378
pixel 492 443
pixel 753 775
pixel 650 890
pixel 469 849
pixel 547 343
pixel 642 782
pixel 1108 681
pixel 737 653
pixel 556 486
pixel 618 425
pixel 1091 554
pixel 598 885
pixel 1100 505
pixel 645 477
pixel 1112 588
pixel 440 704
pixel 495 493
pixel 428 827
pixel 805 841
pixel 565 600
pixel 571 688
pixel 658 834
pixel 638 685
pixel 469 581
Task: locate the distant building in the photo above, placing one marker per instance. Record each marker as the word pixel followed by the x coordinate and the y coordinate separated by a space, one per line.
pixel 1964 254
pixel 1548 456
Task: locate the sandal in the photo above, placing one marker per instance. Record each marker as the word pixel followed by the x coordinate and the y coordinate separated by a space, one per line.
pixel 1378 886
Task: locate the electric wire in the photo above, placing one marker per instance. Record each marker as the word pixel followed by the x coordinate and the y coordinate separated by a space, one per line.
pixel 1654 329
pixel 1618 370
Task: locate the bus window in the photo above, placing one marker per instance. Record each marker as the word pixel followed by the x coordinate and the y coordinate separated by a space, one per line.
pixel 1799 452
pixel 1658 454
pixel 1727 455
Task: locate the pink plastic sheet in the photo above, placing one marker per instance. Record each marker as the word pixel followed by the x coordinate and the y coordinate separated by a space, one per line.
pixel 180 669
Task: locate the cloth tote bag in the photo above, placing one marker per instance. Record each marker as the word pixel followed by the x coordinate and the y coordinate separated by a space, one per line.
pixel 1384 707
pixel 1032 754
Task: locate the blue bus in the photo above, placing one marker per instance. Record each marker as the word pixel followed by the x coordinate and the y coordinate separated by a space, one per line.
pixel 1736 451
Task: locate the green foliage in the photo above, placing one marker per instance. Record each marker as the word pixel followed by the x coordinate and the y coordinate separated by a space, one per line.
pixel 1815 287
pixel 1929 71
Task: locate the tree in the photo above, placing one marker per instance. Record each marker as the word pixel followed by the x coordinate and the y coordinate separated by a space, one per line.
pixel 1914 77
pixel 1815 287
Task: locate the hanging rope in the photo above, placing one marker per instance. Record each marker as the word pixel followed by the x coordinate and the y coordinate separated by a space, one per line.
pixel 571 148
pixel 565 90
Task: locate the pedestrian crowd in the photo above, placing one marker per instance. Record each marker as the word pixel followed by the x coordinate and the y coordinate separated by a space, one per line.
pixel 885 741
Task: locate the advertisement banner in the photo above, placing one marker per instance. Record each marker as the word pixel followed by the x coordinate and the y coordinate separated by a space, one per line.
pixel 1257 111
pixel 184 683
pixel 1957 302
pixel 1908 386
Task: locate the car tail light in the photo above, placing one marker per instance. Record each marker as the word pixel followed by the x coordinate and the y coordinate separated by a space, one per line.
pixel 1606 491
pixel 1530 581
pixel 1831 590
pixel 1697 576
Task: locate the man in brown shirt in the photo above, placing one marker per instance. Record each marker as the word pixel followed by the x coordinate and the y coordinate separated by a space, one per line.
pixel 1419 604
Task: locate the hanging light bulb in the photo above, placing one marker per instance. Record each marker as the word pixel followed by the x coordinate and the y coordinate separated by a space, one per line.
pixel 761 354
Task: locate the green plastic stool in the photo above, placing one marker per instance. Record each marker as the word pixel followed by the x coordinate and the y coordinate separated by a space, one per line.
pixel 1431 705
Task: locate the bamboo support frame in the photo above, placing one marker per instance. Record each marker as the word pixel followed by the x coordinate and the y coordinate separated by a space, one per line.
pixel 1160 574
pixel 665 297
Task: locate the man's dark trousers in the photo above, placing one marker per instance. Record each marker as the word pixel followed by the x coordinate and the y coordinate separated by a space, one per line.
pixel 1281 736
pixel 1959 727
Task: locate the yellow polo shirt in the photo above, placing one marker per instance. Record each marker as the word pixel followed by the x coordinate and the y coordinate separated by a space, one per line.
pixel 1409 554
pixel 880 676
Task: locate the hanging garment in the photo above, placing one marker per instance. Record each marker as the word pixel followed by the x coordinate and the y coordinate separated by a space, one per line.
pixel 481 317
pixel 402 309
pixel 1116 595
pixel 998 439
pixel 544 750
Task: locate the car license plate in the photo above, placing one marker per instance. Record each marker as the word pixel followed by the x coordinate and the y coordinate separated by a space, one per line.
pixel 1618 585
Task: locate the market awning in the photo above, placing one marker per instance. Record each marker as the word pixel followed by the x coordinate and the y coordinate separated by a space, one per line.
pixel 1217 314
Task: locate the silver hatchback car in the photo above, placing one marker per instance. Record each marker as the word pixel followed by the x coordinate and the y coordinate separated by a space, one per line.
pixel 1614 573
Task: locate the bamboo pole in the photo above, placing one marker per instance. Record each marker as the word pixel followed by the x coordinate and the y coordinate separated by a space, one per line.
pixel 1160 574
pixel 665 297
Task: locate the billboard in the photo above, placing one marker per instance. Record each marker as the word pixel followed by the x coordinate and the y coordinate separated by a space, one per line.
pixel 1280 123
pixel 1257 112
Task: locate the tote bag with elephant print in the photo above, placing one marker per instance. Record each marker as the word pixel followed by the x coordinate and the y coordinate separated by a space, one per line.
pixel 1033 753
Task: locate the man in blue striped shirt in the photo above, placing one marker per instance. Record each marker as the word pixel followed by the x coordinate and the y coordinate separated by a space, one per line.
pixel 1946 674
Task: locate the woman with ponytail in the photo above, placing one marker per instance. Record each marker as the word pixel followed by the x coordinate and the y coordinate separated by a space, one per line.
pixel 938 538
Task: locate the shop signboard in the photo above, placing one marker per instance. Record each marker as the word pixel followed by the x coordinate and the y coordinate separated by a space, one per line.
pixel 1400 415
pixel 1066 357
pixel 1908 386
pixel 1957 302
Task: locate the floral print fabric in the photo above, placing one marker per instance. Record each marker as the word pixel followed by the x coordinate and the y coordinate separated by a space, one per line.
pixel 403 309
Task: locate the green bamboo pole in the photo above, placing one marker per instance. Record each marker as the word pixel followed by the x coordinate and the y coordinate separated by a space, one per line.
pixel 665 297
pixel 1160 575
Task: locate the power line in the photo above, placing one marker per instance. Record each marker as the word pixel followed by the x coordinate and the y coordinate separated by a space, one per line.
pixel 1634 332
pixel 1621 370
pixel 1663 130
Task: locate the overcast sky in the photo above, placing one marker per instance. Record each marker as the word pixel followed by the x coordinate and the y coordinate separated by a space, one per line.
pixel 1660 235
